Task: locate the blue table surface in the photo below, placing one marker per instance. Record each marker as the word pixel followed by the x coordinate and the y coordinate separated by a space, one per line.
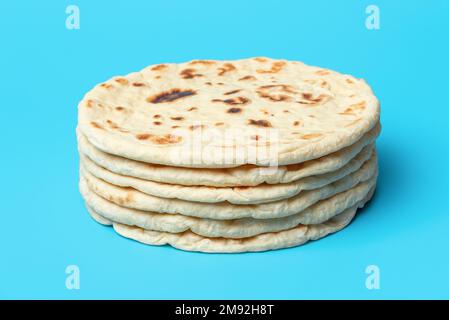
pixel 47 68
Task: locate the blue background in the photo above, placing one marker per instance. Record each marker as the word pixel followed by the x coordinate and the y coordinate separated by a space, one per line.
pixel 46 69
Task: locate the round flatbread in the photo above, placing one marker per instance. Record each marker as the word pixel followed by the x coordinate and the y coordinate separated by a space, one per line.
pixel 131 198
pixel 220 114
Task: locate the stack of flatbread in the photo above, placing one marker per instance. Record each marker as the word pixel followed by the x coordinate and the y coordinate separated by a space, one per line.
pixel 228 156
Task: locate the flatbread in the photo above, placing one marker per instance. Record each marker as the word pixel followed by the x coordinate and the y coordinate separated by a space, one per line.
pixel 247 175
pixel 237 195
pixel 238 228
pixel 131 198
pixel 268 241
pixel 156 114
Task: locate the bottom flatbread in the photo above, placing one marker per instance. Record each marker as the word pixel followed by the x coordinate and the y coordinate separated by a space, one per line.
pixel 191 241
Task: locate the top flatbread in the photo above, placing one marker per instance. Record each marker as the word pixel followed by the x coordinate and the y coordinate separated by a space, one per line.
pixel 293 111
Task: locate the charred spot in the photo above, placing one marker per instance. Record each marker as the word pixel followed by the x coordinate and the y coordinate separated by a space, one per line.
pixel 96 125
pixel 275 67
pixel 234 101
pixel 143 136
pixel 309 99
pixel 296 123
pixel 255 137
pixel 246 78
pixel 281 87
pixel 174 127
pixel 220 83
pixel 274 97
pixel 157 116
pixel 192 108
pixel 157 123
pixel 122 81
pixel 120 108
pixel 234 110
pixel 218 124
pixel 286 111
pixel 157 77
pixel 259 123
pixel 196 126
pixel 138 84
pixel 159 67
pixel 106 85
pixel 170 95
pixel 208 83
pixel 112 124
pixel 203 62
pixel 189 74
pixel 89 103
pixel 166 139
pixel 177 118
pixel 231 92
pixel 227 67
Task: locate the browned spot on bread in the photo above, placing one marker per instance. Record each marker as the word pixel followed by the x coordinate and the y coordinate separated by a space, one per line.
pixel 203 62
pixel 166 139
pixel 234 101
pixel 177 118
pixel 122 81
pixel 159 67
pixel 96 125
pixel 106 85
pixel 220 83
pixel 231 92
pixel 275 67
pixel 138 84
pixel 157 77
pixel 322 72
pixel 89 103
pixel 354 107
pixel 208 83
pixel 296 123
pixel 143 136
pixel 174 127
pixel 197 126
pixel 234 110
pixel 189 74
pixel 286 111
pixel 157 123
pixel 274 97
pixel 310 100
pixel 260 59
pixel 349 81
pixel 192 108
pixel 259 123
pixel 276 92
pixel 170 95
pixel 247 78
pixel 218 124
pixel 311 136
pixel 112 124
pixel 226 67
pixel 255 137
pixel 156 116
pixel 120 108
